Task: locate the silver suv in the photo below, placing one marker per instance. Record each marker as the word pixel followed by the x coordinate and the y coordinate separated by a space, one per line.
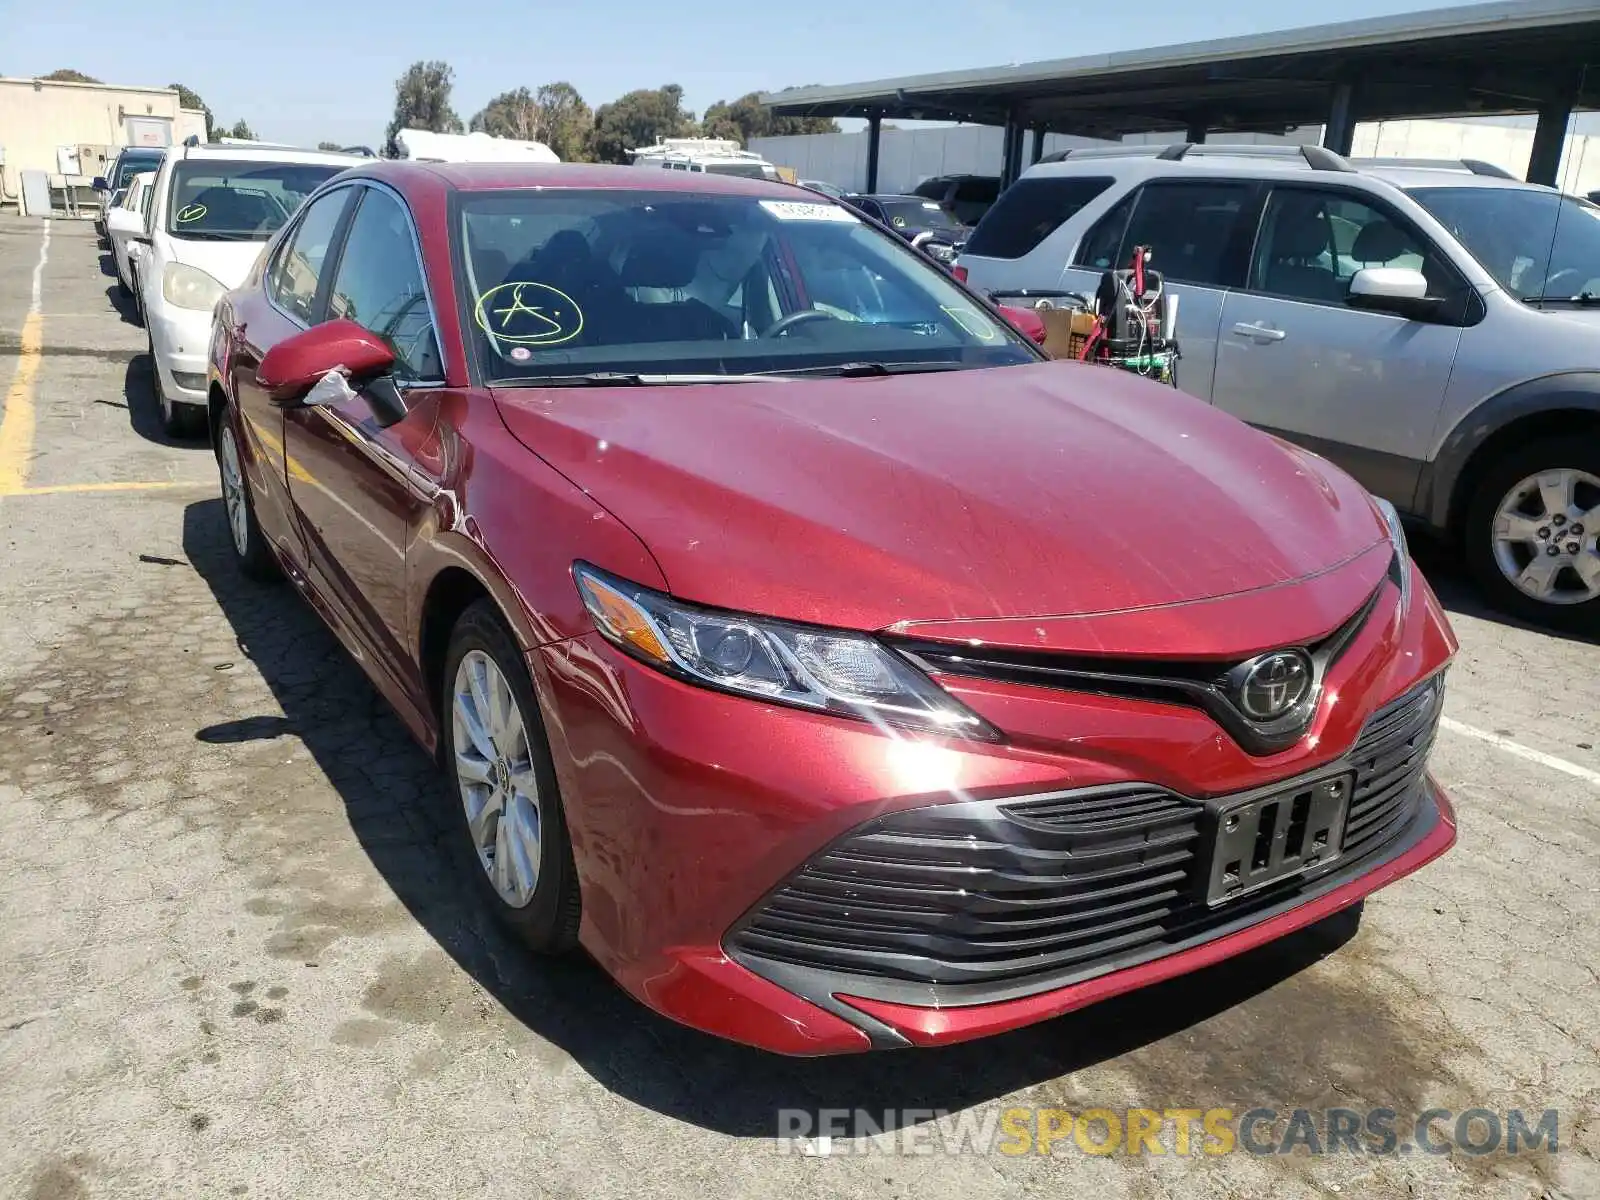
pixel 1433 328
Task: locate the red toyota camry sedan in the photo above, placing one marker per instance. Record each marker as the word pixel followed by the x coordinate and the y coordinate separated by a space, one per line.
pixel 834 668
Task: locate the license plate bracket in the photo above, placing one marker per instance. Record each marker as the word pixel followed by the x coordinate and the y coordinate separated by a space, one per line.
pixel 1264 838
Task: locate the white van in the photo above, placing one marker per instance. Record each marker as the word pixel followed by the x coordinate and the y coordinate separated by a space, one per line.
pixel 713 156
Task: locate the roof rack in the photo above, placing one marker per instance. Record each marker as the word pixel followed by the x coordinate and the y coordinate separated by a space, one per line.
pixel 1316 157
pixel 1474 165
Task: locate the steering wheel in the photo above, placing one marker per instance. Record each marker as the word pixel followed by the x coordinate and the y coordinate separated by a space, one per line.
pixel 783 324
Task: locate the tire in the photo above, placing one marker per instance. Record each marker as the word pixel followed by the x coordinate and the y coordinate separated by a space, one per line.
pixel 1574 461
pixel 177 420
pixel 543 912
pixel 250 548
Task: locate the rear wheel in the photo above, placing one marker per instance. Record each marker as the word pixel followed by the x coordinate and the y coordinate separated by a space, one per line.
pixel 511 832
pixel 250 548
pixel 1533 533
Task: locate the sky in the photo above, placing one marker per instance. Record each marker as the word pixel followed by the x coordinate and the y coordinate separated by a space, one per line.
pixel 304 71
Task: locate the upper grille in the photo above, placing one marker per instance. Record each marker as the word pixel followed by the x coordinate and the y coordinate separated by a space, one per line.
pixel 983 894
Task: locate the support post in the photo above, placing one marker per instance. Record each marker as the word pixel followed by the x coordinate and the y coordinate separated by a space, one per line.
pixel 1549 138
pixel 1339 132
pixel 874 140
pixel 1196 133
pixel 1036 152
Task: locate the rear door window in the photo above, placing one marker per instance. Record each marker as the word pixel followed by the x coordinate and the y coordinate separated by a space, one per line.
pixel 1197 232
pixel 1030 211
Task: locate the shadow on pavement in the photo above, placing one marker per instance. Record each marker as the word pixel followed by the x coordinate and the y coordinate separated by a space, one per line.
pixel 1445 569
pixel 144 411
pixel 126 307
pixel 395 806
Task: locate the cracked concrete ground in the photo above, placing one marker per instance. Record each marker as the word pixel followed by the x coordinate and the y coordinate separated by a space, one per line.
pixel 237 963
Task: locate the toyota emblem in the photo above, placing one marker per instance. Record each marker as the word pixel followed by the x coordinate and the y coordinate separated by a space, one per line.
pixel 1271 687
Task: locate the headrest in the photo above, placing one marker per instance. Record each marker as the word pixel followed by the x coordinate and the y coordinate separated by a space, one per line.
pixel 667 262
pixel 1301 231
pixel 1379 241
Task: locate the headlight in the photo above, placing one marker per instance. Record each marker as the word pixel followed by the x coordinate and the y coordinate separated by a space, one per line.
pixel 1400 565
pixel 190 287
pixel 850 674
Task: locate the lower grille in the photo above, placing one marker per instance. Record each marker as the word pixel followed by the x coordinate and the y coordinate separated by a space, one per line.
pixel 979 894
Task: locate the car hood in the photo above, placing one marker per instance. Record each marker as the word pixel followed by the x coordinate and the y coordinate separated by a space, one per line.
pixel 1053 489
pixel 228 263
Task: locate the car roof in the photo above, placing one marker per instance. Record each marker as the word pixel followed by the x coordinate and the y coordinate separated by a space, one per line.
pixel 499 176
pixel 276 154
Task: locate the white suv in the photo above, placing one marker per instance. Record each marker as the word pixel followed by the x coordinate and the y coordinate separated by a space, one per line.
pixel 211 210
pixel 1433 328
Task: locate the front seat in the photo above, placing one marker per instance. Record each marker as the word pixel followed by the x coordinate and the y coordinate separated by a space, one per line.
pixel 669 264
pixel 1299 239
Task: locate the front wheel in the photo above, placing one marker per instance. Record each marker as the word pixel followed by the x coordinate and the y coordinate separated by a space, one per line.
pixel 178 420
pixel 511 831
pixel 1533 533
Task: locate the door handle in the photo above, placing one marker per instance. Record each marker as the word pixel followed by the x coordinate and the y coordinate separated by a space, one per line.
pixel 1260 332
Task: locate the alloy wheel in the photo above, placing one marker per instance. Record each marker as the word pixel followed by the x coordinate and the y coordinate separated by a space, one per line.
pixel 233 494
pixel 494 768
pixel 1547 536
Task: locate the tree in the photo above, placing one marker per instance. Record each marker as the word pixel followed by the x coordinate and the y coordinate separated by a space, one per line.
pixel 555 115
pixel 638 119
pixel 242 131
pixel 422 101
pixel 747 118
pixel 68 75
pixel 190 99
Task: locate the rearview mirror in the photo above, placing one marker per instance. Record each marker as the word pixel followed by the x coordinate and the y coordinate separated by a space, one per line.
pixel 123 220
pixel 100 184
pixel 290 369
pixel 1029 323
pixel 1399 290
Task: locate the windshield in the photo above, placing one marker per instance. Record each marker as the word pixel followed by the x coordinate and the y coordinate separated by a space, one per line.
pixel 565 283
pixel 918 214
pixel 1539 245
pixel 744 170
pixel 239 200
pixel 130 165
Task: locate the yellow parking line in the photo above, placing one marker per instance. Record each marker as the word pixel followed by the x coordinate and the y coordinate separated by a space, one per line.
pixel 60 489
pixel 16 428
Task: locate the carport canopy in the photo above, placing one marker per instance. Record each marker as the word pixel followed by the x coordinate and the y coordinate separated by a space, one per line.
pixel 1529 56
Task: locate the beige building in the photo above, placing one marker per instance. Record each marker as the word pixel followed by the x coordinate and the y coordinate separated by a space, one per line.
pixel 72 131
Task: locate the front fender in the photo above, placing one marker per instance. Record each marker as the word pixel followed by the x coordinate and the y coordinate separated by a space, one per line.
pixel 1569 391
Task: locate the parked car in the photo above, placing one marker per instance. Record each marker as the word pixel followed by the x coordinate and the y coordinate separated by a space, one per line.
pixel 130 161
pixel 833 191
pixel 964 197
pixel 754 583
pixel 921 222
pixel 1431 329
pixel 126 221
pixel 212 208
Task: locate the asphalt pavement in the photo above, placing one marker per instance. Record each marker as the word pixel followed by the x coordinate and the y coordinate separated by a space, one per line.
pixel 237 962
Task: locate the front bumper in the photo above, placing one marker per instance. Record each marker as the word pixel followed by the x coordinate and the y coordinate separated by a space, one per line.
pixel 700 822
pixel 181 337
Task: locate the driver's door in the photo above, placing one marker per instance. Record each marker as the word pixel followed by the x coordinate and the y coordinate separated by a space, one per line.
pixel 356 493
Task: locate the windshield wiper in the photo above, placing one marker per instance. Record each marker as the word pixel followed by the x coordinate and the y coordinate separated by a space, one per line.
pixel 625 379
pixel 863 370
pixel 1582 299
pixel 217 235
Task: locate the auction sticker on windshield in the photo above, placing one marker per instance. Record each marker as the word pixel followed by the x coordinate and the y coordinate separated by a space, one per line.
pixel 796 210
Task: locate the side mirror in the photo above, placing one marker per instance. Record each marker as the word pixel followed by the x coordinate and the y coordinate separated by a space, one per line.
pixel 100 184
pixel 1399 290
pixel 290 369
pixel 1028 323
